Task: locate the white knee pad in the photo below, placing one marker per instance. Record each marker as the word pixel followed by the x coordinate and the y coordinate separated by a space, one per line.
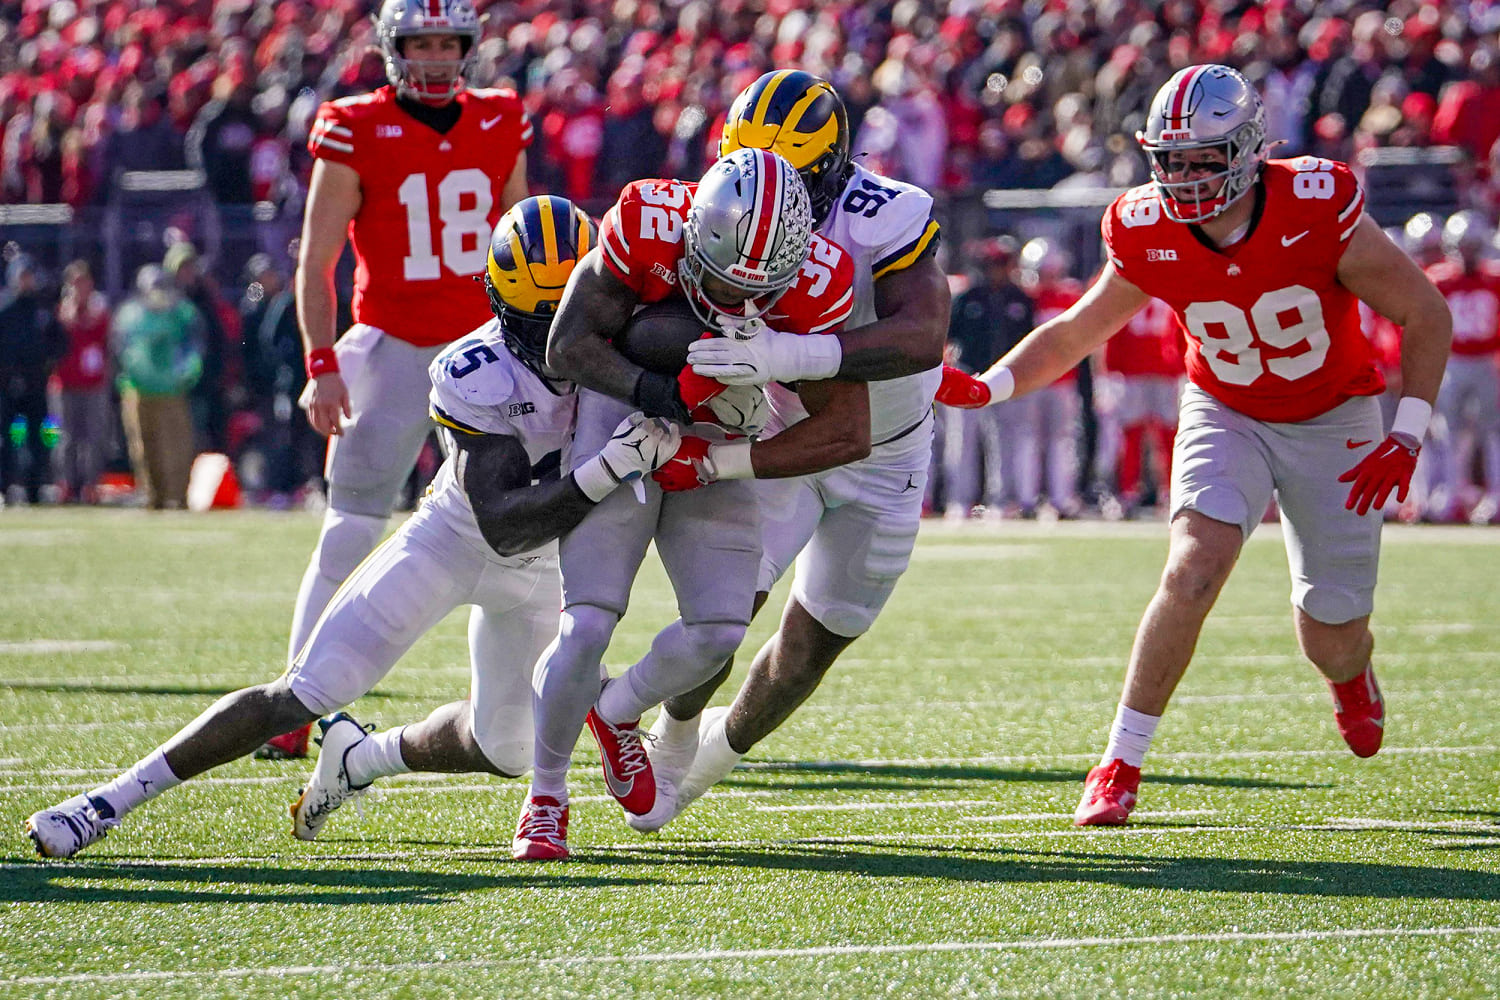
pixel 715 642
pixel 345 541
pixel 334 675
pixel 511 757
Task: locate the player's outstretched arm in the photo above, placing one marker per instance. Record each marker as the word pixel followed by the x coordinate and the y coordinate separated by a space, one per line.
pixel 1386 279
pixel 514 516
pixel 1053 348
pixel 1377 271
pixel 333 198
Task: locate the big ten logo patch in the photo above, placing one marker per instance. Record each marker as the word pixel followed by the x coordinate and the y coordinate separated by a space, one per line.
pixel 1161 254
pixel 664 272
pixel 521 409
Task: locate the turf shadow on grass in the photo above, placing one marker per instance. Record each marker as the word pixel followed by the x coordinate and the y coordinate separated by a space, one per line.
pixel 1186 874
pixel 263 884
pixel 857 776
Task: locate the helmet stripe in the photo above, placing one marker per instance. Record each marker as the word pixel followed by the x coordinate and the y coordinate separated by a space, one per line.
pixel 1179 102
pixel 531 220
pixel 550 225
pixel 582 222
pixel 767 205
pixel 764 104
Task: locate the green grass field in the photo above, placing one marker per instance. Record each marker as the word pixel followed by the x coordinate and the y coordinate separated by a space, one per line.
pixel 907 833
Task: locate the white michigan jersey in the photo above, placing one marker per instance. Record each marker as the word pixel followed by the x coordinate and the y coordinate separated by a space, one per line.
pixel 885 226
pixel 480 387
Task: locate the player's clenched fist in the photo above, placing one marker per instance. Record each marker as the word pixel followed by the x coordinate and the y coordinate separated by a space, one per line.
pixel 639 446
pixel 1389 466
pixel 688 469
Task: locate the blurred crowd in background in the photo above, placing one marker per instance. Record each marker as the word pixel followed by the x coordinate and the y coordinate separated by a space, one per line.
pixel 961 98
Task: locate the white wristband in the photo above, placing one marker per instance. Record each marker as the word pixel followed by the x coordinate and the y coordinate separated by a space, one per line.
pixel 818 357
pixel 1412 417
pixel 731 460
pixel 1002 384
pixel 595 479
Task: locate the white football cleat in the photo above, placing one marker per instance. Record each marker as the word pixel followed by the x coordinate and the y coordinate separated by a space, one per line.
pixel 68 827
pixel 329 786
pixel 671 759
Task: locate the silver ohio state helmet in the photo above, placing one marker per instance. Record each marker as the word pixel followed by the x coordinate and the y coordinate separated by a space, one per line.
pixel 750 227
pixel 402 19
pixel 1205 107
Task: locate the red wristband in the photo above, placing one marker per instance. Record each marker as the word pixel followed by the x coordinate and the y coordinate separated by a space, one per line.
pixel 321 361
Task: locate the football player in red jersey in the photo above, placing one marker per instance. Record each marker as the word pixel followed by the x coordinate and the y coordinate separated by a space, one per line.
pixel 416 175
pixel 1264 262
pixel 1470 396
pixel 1045 425
pixel 1146 358
pixel 740 247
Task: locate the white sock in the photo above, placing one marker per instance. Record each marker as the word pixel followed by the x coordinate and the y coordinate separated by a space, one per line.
pixel 550 786
pixel 146 780
pixel 376 756
pixel 715 760
pixel 674 730
pixel 1130 736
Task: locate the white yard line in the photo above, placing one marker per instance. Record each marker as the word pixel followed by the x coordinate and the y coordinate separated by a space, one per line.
pixel 1058 758
pixel 764 954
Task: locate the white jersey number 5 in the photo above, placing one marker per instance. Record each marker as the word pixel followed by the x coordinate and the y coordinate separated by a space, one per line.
pixel 1284 318
pixel 464 203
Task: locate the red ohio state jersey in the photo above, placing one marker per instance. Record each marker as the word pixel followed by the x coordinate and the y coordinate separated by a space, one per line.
pixel 641 240
pixel 1474 301
pixel 1270 331
pixel 428 203
pixel 1150 344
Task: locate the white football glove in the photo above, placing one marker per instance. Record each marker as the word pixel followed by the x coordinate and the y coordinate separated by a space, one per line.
pixel 741 409
pixel 639 446
pixel 767 357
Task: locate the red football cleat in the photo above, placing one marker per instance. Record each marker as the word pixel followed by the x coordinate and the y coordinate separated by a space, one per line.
pixel 287 746
pixel 1108 795
pixel 1359 711
pixel 627 769
pixel 542 832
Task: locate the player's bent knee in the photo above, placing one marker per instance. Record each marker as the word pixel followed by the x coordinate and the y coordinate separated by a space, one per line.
pixel 511 758
pixel 287 703
pixel 346 539
pixel 587 629
pixel 715 642
pixel 332 675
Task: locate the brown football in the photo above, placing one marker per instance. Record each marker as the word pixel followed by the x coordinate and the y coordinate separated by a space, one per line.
pixel 658 335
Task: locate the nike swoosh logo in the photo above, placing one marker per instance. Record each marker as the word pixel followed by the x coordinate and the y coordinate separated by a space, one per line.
pixel 619 789
pixel 1287 241
pixel 490 123
pixel 1351 443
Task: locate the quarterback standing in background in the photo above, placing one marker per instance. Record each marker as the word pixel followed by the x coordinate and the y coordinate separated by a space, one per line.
pixel 415 175
pixel 1264 263
pixel 851 529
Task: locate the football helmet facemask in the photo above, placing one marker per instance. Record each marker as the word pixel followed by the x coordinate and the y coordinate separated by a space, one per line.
pixel 749 228
pixel 1204 107
pixel 533 250
pixel 426 80
pixel 801 118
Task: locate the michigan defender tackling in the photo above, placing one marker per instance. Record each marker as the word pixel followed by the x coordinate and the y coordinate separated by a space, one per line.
pixel 484 537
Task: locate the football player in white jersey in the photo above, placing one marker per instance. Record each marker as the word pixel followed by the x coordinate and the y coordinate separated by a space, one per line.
pixel 851 529
pixel 485 536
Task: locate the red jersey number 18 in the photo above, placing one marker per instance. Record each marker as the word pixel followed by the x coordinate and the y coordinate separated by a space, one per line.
pixel 464 200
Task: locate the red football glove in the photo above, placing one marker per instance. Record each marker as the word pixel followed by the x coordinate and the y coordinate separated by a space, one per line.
pixel 686 469
pixel 697 389
pixel 962 390
pixel 1387 467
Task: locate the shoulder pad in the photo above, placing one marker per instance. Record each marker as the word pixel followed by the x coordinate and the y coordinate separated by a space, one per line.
pixel 474 371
